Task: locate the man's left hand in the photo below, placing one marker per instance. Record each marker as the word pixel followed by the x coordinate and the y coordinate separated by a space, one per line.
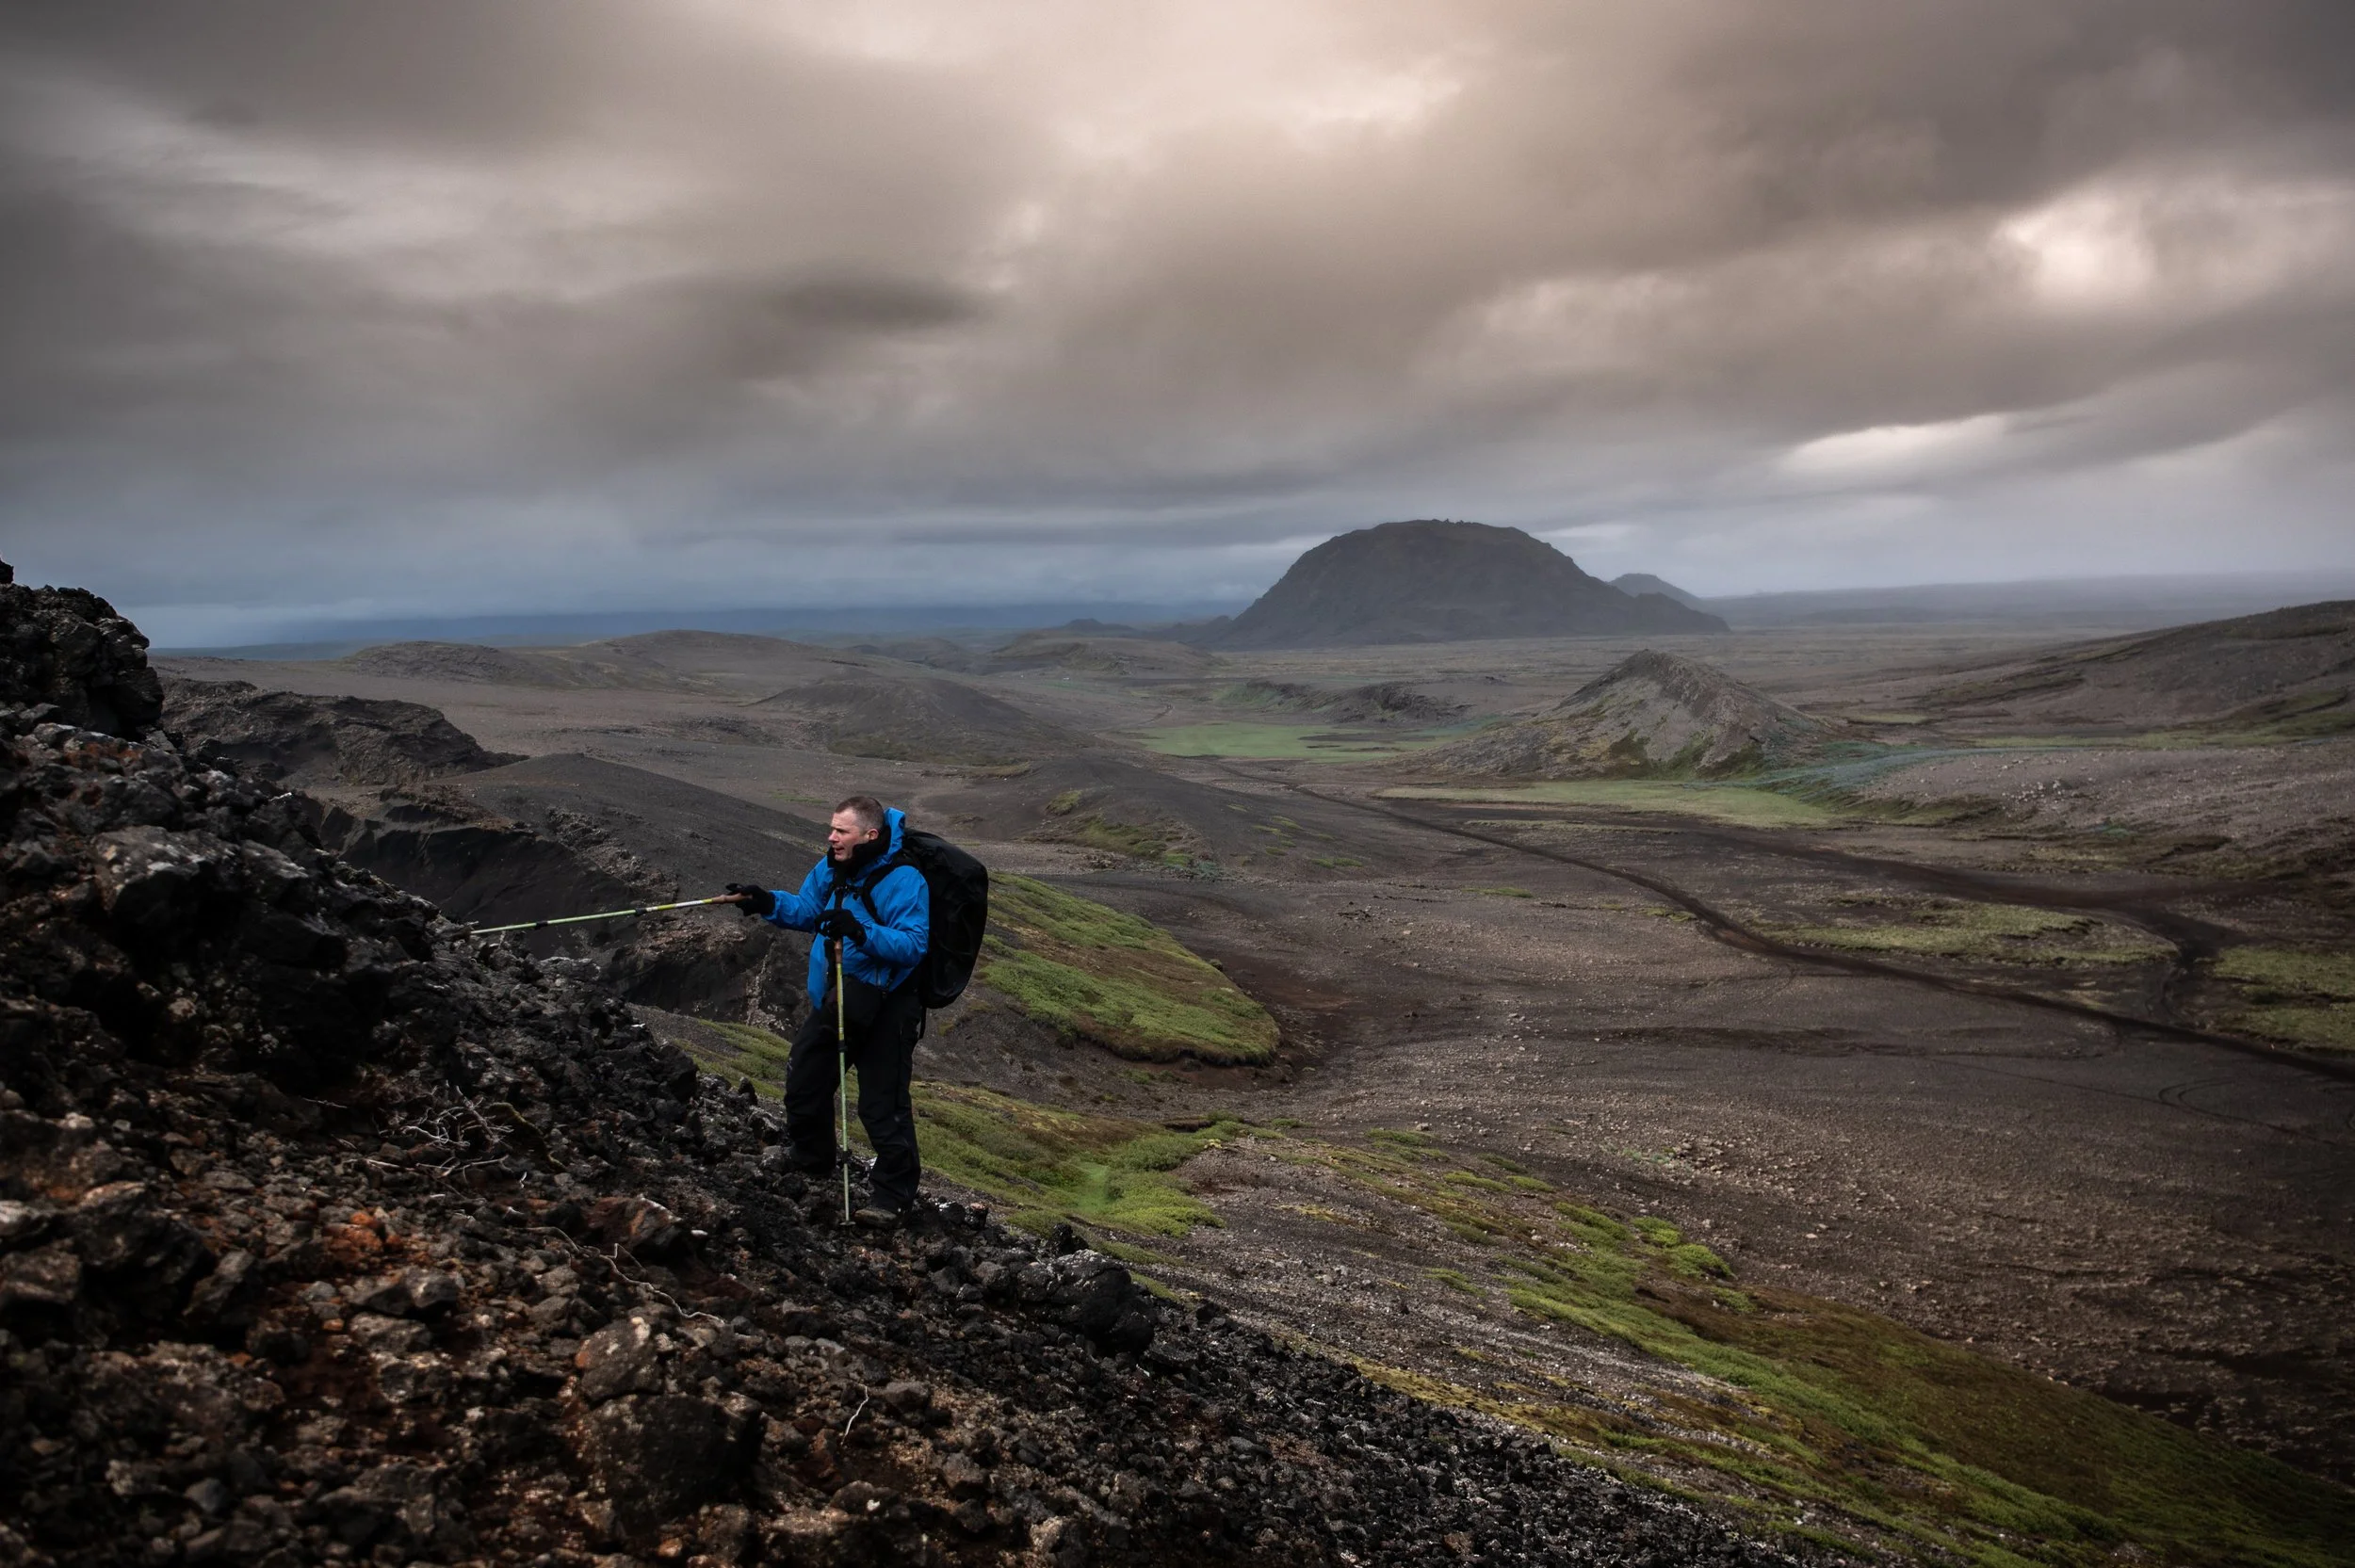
pixel 842 925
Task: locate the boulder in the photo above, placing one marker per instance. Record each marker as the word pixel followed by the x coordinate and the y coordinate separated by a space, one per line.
pixel 660 1456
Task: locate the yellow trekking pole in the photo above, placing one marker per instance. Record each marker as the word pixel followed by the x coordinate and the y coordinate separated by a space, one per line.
pixel 842 1085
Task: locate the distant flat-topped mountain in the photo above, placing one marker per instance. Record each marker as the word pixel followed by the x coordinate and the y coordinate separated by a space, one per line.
pixel 1445 582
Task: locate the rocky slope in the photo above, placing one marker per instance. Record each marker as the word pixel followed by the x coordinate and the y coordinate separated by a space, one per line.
pixel 1379 703
pixel 327 1235
pixel 2290 671
pixel 310 741
pixel 1650 714
pixel 1437 582
pixel 1645 582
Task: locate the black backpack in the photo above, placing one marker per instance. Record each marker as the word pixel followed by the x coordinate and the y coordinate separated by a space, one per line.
pixel 958 885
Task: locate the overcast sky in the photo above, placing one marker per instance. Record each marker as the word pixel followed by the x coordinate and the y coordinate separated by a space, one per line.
pixel 402 306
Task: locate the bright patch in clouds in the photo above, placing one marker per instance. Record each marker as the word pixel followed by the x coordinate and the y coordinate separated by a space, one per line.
pixel 2090 249
pixel 1897 449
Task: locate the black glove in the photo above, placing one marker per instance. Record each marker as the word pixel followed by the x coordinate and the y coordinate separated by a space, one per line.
pixel 843 925
pixel 758 900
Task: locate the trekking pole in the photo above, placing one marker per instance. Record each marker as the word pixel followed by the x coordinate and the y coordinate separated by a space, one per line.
pixel 608 914
pixel 842 1085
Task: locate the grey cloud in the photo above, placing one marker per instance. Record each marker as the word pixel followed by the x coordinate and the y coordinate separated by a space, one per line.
pixel 635 282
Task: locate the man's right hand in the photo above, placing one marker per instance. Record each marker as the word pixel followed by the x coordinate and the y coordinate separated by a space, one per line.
pixel 752 899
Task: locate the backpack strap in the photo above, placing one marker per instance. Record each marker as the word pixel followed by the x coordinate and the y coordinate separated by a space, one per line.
pixel 865 886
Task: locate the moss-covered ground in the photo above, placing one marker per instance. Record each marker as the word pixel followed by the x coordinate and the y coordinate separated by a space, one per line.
pixel 1041 1165
pixel 1098 829
pixel 2296 995
pixel 1823 1413
pixel 1738 804
pixel 1099 975
pixel 1980 933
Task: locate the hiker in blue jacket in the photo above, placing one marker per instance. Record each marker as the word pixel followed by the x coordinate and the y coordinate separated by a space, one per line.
pixel 874 914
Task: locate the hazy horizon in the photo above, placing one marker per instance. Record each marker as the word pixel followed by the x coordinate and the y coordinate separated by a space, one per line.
pixel 2125 602
pixel 390 310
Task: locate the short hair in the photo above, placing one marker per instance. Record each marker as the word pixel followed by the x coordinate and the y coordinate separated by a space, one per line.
pixel 866 808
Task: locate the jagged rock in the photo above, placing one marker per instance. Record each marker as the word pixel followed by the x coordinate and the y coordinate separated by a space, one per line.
pixel 67 649
pixel 619 1359
pixel 1095 1296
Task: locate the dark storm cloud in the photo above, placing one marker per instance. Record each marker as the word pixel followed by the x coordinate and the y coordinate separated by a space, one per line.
pixel 546 302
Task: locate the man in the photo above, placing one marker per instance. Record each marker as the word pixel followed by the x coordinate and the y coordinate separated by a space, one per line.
pixel 877 924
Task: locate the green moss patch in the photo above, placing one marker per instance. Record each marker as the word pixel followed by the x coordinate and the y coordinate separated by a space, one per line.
pixel 2296 995
pixel 1986 933
pixel 1733 803
pixel 1124 983
pixel 1048 1166
pixel 1042 1165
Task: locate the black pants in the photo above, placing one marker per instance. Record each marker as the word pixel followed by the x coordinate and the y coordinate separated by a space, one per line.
pixel 881 1027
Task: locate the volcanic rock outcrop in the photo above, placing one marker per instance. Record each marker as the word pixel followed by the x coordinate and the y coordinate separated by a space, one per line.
pixel 1653 713
pixel 67 649
pixel 327 1235
pixel 1440 582
pixel 311 741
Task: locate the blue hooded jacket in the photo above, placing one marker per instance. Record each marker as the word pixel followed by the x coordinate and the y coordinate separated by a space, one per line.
pixel 898 928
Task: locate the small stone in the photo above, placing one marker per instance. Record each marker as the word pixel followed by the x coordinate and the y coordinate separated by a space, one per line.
pixel 618 1359
pixel 862 1499
pixel 375 1331
pixel 209 1496
pixel 963 1477
pixel 389 1297
pixel 429 1290
pixel 907 1397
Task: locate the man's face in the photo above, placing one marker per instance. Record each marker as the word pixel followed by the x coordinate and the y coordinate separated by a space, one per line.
pixel 846 833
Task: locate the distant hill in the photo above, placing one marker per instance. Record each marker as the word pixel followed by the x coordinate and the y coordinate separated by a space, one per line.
pixel 1445 582
pixel 1636 583
pixel 1650 714
pixel 312 742
pixel 914 718
pixel 2289 670
pixel 2086 604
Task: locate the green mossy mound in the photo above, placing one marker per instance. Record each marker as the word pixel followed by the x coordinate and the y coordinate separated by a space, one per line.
pixel 1652 715
pixel 1097 974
